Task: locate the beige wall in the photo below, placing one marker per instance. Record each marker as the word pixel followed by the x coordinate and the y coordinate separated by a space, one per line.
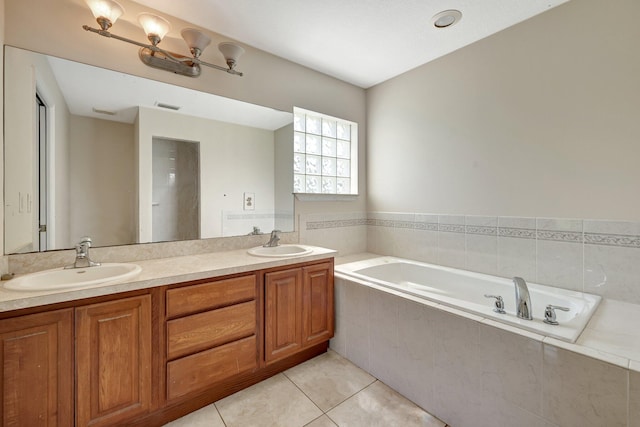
pixel 538 120
pixel 102 173
pixel 30 74
pixel 3 265
pixel 233 159
pixel 283 177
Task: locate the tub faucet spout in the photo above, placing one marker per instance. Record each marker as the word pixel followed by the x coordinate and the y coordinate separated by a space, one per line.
pixel 523 300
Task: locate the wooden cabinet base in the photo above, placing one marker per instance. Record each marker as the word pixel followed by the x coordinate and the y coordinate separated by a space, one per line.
pixel 37 371
pixel 226 388
pixel 193 373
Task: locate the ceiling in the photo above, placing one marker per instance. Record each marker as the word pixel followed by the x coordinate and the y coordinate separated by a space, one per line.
pixel 119 95
pixel 363 42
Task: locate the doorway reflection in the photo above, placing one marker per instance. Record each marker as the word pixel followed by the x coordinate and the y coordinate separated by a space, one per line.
pixel 176 190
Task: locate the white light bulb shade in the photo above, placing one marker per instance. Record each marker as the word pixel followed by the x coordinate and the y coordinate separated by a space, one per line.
pixel 154 25
pixel 195 39
pixel 105 9
pixel 230 51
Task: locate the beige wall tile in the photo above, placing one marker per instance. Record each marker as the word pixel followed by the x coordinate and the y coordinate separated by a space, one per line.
pixel 583 392
pixel 511 367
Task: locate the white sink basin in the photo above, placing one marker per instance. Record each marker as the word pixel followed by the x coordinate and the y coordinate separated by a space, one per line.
pixel 60 278
pixel 280 251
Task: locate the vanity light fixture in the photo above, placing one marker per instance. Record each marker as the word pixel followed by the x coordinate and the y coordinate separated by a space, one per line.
pixel 156 27
pixel 446 18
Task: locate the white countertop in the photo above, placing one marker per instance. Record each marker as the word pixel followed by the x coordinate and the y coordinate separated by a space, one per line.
pixel 612 335
pixel 163 271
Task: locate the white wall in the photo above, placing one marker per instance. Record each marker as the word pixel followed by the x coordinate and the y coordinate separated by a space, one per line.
pixel 539 120
pixel 101 171
pixel 27 74
pixel 283 178
pixel 233 159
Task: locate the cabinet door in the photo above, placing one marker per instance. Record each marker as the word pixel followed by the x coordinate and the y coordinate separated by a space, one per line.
pixel 37 369
pixel 283 311
pixel 317 308
pixel 113 355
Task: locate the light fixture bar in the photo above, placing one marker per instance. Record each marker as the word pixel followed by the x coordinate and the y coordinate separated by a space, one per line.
pixel 157 57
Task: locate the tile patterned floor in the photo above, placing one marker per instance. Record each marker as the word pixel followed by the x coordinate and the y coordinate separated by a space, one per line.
pixel 326 391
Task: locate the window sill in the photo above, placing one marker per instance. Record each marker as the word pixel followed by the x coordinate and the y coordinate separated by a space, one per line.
pixel 318 197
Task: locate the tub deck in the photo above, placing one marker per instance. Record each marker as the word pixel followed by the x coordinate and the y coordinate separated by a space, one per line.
pixel 611 335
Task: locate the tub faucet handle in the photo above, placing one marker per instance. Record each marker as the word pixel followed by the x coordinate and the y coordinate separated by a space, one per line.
pixel 550 314
pixel 499 304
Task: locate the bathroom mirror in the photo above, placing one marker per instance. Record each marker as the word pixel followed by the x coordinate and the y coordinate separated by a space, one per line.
pixel 123 159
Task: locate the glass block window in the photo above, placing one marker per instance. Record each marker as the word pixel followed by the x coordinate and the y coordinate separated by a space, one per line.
pixel 325 154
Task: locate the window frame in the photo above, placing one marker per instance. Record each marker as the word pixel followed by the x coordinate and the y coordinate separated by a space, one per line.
pixel 353 157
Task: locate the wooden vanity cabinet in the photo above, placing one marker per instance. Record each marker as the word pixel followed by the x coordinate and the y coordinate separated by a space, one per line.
pixel 298 309
pixel 37 369
pixel 113 361
pixel 144 358
pixel 212 334
pixel 317 304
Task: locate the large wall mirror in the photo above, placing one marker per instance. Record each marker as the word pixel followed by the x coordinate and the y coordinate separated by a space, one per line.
pixel 123 159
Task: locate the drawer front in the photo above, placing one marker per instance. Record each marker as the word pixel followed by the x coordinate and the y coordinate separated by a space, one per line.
pixel 201 370
pixel 205 330
pixel 207 296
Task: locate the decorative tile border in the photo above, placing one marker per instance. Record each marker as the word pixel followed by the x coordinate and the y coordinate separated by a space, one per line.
pixel 519 233
pixel 612 240
pixel 561 236
pixel 427 226
pixel 451 228
pixel 620 240
pixel 320 225
pixel 482 230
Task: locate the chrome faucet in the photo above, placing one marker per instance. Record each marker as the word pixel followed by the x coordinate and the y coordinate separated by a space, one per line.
pixel 523 300
pixel 82 255
pixel 273 240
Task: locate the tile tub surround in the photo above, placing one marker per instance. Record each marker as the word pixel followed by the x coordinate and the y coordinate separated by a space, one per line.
pixel 594 256
pixel 325 391
pixel 439 357
pixel 163 271
pixel 344 232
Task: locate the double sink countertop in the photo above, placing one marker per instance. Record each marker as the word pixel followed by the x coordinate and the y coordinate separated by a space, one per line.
pixel 160 272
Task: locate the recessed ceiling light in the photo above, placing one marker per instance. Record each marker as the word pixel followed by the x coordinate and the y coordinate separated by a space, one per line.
pixel 446 18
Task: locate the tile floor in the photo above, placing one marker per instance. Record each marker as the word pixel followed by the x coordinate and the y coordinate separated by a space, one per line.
pixel 326 391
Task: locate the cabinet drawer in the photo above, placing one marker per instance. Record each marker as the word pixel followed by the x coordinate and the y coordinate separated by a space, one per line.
pixel 211 328
pixel 201 370
pixel 207 296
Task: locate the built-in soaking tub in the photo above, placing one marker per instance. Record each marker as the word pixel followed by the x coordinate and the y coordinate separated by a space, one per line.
pixel 466 290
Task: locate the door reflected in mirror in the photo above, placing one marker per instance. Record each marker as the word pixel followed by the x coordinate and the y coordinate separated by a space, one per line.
pixel 126 160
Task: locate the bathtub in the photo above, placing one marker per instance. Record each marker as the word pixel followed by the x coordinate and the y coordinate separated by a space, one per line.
pixel 466 291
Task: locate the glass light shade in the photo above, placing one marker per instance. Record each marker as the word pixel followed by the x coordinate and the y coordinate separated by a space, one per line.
pixel 154 25
pixel 231 52
pixel 195 39
pixel 105 9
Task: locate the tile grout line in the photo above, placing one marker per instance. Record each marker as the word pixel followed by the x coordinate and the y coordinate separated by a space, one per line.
pixel 334 406
pixel 305 394
pixel 218 411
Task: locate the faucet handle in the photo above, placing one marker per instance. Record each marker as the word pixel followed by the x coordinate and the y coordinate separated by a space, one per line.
pixel 85 240
pixel 550 314
pixel 499 304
